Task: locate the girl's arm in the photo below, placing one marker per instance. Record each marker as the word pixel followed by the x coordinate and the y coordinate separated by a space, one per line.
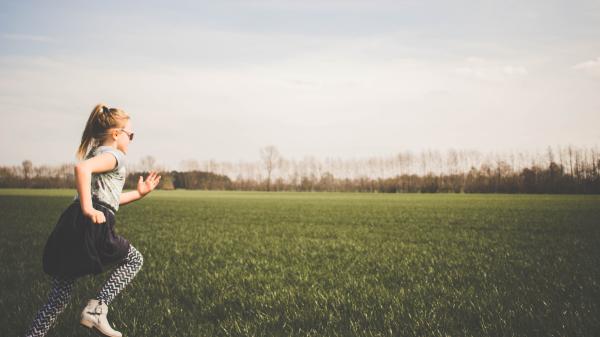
pixel 143 188
pixel 128 197
pixel 83 180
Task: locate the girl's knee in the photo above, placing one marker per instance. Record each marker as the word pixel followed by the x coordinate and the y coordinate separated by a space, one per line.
pixel 62 303
pixel 59 300
pixel 136 257
pixel 140 259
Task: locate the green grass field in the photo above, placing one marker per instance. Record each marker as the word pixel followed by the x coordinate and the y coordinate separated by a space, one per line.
pixel 326 264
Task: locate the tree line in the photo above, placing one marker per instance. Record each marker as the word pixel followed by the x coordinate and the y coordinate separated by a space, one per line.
pixel 557 170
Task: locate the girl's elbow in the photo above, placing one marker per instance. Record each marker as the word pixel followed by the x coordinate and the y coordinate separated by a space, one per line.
pixel 80 169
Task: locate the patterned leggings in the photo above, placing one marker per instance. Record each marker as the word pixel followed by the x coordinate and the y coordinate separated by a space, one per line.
pixel 62 288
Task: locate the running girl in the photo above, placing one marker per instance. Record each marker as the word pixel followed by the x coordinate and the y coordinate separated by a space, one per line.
pixel 84 241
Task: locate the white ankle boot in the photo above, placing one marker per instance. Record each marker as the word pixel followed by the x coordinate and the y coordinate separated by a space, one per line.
pixel 93 316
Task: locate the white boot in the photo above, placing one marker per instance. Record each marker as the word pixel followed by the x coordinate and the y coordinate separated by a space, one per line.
pixel 93 316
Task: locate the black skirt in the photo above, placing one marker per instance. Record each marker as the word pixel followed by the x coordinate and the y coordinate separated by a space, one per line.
pixel 78 247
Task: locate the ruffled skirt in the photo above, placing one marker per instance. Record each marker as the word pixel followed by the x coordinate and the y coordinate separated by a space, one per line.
pixel 78 247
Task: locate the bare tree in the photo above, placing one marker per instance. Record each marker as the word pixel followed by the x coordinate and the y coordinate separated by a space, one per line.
pixel 271 158
pixel 190 165
pixel 147 163
pixel 570 152
pixel 452 161
pixel 550 155
pixel 27 169
pixel 424 161
pixel 211 165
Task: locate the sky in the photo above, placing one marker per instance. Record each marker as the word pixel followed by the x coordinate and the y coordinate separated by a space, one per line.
pixel 349 79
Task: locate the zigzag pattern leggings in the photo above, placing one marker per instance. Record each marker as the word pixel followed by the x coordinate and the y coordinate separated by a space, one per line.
pixel 62 289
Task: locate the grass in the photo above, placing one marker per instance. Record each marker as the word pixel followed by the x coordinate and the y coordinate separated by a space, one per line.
pixel 326 264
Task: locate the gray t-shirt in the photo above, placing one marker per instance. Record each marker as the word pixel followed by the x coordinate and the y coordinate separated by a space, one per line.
pixel 107 186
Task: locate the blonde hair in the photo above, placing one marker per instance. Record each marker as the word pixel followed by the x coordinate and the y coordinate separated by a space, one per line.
pixel 100 121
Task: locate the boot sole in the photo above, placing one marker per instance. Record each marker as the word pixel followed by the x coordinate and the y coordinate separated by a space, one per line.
pixel 90 325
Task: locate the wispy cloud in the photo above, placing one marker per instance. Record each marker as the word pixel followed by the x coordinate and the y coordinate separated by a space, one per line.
pixel 318 77
pixel 27 37
pixel 485 69
pixel 591 67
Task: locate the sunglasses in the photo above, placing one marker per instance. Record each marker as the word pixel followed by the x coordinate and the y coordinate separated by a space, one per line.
pixel 130 135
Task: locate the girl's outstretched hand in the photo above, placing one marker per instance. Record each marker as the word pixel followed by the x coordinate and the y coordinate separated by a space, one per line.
pixel 145 187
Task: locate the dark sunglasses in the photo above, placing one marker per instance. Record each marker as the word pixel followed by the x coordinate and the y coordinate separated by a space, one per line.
pixel 128 134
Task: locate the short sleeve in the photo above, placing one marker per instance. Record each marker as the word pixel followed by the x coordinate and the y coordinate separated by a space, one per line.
pixel 118 155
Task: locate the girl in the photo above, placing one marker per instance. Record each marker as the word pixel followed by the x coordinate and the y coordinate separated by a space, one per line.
pixel 84 241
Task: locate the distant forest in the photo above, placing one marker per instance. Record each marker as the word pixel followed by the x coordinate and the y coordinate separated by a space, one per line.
pixel 569 169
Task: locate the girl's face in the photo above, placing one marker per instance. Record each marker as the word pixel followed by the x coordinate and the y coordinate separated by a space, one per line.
pixel 123 137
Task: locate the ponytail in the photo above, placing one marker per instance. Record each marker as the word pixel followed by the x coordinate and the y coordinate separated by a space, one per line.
pixel 100 120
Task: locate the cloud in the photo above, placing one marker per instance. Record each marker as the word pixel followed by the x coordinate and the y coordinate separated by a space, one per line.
pixel 591 67
pixel 514 70
pixel 27 37
pixel 306 94
pixel 484 69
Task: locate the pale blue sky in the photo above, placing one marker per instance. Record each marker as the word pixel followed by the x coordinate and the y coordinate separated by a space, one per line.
pixel 326 78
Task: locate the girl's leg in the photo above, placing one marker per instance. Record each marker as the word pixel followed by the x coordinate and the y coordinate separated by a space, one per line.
pixel 121 276
pixel 58 299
